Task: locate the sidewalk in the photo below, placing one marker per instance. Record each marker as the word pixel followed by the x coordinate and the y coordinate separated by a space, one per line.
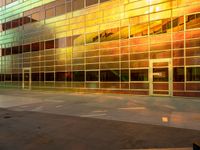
pixel 40 120
pixel 166 111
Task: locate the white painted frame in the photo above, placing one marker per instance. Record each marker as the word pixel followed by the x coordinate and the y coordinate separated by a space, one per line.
pixel 170 74
pixel 26 70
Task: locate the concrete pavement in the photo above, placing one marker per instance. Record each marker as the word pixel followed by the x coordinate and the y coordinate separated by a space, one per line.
pixel 166 111
pixel 60 120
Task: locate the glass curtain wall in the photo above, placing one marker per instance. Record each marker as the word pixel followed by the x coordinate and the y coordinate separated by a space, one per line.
pixel 102 45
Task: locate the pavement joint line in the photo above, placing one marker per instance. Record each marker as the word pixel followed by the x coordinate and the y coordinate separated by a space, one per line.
pixel 93 115
pixel 132 108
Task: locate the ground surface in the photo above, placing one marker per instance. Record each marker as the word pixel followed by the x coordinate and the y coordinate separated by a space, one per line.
pixel 77 121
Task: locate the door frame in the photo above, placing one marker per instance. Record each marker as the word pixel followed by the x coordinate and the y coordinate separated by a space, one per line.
pixel 26 70
pixel 170 74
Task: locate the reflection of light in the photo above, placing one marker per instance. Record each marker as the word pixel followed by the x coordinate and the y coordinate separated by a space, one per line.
pixel 149 1
pixel 165 119
pixel 157 8
pixel 151 9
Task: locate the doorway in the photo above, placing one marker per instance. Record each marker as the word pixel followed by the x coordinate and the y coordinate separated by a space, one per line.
pixel 26 79
pixel 160 75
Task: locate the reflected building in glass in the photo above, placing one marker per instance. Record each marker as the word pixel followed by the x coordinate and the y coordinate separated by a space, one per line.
pixel 143 47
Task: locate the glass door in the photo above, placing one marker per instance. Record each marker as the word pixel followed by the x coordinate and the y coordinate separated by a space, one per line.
pixel 26 79
pixel 161 77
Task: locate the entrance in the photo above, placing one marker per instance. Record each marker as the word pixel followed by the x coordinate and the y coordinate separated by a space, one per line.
pixel 160 76
pixel 26 79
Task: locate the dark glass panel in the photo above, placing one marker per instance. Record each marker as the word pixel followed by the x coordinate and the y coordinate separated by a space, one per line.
pixel 68 76
pixel 4 26
pixel 178 74
pixel 77 4
pixel 49 44
pixel 20 21
pixel 35 46
pixel 15 50
pixel 26 48
pixel 193 74
pixel 15 77
pixel 7 77
pixel 110 75
pixel 92 75
pixel 41 45
pixel 8 51
pixel 15 23
pixel 8 25
pixel 49 76
pixel 91 2
pixel 26 19
pixel 20 49
pixel 60 76
pixel 124 75
pixel 139 75
pixel 2 77
pixel 20 77
pixel 41 76
pixel 35 76
pixel 78 76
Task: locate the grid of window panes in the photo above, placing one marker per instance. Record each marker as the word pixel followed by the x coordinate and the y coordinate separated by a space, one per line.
pixel 99 44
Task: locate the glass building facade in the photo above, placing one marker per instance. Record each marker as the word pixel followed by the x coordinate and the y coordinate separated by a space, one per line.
pixel 145 47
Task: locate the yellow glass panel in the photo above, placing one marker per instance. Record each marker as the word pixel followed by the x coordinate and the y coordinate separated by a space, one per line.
pixel 62 23
pixel 77 19
pixel 95 15
pixel 112 18
pixel 137 12
pixel 76 26
pixel 78 31
pixel 62 29
pixel 136 5
pixel 124 22
pixel 139 19
pixel 160 15
pixel 139 30
pixel 109 25
pixel 92 37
